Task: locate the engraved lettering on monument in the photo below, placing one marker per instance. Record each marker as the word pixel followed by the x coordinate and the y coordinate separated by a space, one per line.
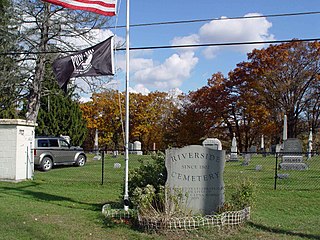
pixel 198 172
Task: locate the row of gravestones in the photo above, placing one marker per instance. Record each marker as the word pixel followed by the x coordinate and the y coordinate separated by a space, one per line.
pixel 197 171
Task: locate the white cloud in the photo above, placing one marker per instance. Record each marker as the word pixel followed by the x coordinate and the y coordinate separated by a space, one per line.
pixel 138 60
pixel 139 88
pixel 235 30
pixel 178 67
pixel 170 74
pixel 187 40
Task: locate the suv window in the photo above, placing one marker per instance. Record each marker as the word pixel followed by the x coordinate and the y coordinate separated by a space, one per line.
pixel 53 142
pixel 63 143
pixel 43 143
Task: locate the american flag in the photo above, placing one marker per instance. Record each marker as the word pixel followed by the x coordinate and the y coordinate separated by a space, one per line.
pixel 103 7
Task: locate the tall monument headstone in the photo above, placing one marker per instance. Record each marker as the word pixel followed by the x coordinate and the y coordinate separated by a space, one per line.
pixel 197 171
pixel 262 143
pixel 310 144
pixel 96 146
pixel 285 127
pixel 234 149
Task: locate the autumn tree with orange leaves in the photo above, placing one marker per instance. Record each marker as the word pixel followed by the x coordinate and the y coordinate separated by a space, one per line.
pixel 251 101
pixel 104 113
pixel 149 116
pixel 227 106
pixel 286 76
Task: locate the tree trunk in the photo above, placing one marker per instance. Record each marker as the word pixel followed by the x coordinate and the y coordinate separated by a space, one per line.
pixel 36 86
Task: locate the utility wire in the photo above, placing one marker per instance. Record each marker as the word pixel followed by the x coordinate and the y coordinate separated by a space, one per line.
pixel 195 45
pixel 220 19
pixel 182 46
pixel 222 44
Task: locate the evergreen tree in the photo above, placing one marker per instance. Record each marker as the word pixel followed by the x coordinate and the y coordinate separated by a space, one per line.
pixel 9 76
pixel 59 114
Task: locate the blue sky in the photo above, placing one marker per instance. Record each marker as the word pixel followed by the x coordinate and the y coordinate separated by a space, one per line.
pixel 189 69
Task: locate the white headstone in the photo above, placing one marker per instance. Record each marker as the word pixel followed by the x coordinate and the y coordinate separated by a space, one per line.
pixel 213 143
pixel 137 148
pixel 310 144
pixel 234 149
pixel 284 136
pixel 96 140
pixel 262 142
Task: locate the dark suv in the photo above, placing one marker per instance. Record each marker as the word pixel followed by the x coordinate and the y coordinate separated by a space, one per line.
pixel 51 151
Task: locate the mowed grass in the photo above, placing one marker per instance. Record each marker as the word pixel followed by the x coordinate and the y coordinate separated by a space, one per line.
pixel 66 203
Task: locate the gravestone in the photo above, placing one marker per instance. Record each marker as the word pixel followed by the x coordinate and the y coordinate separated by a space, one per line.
pixel 234 150
pixel 247 159
pixel 137 148
pixel 117 165
pixel 282 175
pixel 292 158
pixel 310 144
pixel 278 148
pixel 253 149
pixel 130 147
pixel 214 143
pixel 258 167
pixel 197 172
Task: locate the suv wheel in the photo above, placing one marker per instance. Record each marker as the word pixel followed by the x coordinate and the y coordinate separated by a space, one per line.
pixel 46 164
pixel 81 160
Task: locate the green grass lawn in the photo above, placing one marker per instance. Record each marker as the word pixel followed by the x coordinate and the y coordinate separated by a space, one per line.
pixel 66 203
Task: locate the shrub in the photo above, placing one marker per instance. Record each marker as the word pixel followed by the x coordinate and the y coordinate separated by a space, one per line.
pixel 242 197
pixel 162 205
pixel 152 173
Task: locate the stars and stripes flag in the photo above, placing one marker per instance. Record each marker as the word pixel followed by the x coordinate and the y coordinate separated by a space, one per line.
pixel 103 7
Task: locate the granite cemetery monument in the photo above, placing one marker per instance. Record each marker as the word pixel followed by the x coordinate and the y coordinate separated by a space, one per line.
pixel 197 172
pixel 247 159
pixel 292 158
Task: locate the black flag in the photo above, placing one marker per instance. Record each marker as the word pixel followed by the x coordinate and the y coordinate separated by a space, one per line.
pixel 93 61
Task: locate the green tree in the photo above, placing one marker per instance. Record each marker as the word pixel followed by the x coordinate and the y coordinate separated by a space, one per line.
pixel 59 114
pixel 9 76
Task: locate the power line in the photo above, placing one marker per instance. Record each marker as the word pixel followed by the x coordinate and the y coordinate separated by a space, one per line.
pixel 222 44
pixel 220 19
pixel 181 46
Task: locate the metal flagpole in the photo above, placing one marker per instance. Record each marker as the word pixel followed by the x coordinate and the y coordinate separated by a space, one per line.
pixel 126 195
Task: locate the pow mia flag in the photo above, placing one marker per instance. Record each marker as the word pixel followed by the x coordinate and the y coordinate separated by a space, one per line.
pixel 93 61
